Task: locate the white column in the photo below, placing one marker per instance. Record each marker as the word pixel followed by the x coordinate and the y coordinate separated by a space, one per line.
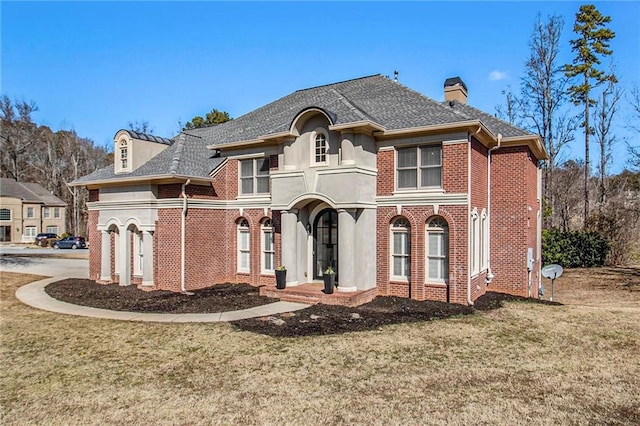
pixel 288 241
pixel 147 258
pixel 346 250
pixel 125 257
pixel 105 257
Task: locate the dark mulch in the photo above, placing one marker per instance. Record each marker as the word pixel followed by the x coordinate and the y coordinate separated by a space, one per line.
pixel 315 320
pixel 219 298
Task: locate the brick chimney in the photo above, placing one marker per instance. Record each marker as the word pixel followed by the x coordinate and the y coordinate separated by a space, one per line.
pixel 455 90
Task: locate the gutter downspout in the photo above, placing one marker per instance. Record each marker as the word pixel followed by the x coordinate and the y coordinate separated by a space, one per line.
pixel 183 238
pixel 469 248
pixel 490 275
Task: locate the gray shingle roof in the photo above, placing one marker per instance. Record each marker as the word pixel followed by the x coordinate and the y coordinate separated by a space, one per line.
pixel 29 192
pixel 373 98
pixel 150 138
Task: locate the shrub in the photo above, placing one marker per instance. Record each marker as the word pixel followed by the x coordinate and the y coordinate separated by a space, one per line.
pixel 577 249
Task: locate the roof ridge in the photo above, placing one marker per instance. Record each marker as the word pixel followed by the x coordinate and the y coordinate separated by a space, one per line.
pixel 338 82
pixel 493 117
pixel 351 106
pixel 177 154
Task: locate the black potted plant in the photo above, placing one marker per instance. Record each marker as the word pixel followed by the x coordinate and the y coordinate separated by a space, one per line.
pixel 281 277
pixel 329 277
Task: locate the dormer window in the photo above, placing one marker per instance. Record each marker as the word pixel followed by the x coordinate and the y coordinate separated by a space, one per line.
pixel 320 147
pixel 124 154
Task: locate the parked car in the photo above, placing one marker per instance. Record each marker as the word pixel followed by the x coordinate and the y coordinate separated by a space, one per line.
pixel 70 242
pixel 46 238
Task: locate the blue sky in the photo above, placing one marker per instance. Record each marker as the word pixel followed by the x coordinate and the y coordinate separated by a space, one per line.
pixel 95 66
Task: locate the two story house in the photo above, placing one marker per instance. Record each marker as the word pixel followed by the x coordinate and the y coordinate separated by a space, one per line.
pixel 27 209
pixel 399 193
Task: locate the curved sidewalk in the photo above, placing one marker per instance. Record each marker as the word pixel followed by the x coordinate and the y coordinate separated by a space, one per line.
pixel 33 294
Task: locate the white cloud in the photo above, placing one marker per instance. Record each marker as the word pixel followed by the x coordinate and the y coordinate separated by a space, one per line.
pixel 497 75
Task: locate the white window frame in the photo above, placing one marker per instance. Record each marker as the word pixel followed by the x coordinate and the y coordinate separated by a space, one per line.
pixel 46 213
pixel 30 212
pixel 437 225
pixel 400 226
pixel 484 240
pixel 138 254
pixel 124 161
pixel 4 211
pixel 244 252
pixel 56 212
pixel 418 167
pixel 313 148
pixel 474 247
pixel 267 244
pixel 30 231
pixel 116 253
pixel 254 176
pixel 52 229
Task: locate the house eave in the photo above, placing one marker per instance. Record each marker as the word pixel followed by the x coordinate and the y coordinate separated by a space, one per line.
pixel 534 143
pixel 474 127
pixel 156 179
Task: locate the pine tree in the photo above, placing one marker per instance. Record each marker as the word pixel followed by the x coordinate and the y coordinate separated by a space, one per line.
pixel 592 44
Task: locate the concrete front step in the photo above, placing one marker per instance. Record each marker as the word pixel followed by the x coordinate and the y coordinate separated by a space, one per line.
pixel 312 293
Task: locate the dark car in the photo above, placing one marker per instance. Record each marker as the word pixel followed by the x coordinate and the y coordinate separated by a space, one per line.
pixel 45 238
pixel 70 242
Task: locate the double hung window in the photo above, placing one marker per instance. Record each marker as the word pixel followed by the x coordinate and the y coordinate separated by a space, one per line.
pixel 244 251
pixel 254 176
pixel 437 250
pixel 419 167
pixel 268 250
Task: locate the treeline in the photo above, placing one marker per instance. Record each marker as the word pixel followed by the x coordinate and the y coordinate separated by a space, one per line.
pixel 33 153
pixel 560 101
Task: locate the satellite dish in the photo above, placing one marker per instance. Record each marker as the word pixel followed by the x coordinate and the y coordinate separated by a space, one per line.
pixel 552 271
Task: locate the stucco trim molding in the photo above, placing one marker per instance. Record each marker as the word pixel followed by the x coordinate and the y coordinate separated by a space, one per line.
pixel 422 199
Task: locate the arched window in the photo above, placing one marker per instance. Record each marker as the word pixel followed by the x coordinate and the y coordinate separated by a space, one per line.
pixel 123 149
pixel 484 240
pixel 474 251
pixel 400 249
pixel 244 251
pixel 268 249
pixel 320 140
pixel 437 250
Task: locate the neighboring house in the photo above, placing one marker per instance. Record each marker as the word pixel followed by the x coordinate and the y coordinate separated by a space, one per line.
pixel 401 194
pixel 27 209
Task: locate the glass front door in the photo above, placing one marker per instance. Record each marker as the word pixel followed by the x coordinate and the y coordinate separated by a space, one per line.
pixel 325 242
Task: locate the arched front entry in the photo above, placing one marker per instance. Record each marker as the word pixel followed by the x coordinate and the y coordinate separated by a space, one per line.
pixel 325 242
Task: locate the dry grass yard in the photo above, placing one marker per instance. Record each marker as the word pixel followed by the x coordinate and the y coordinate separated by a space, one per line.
pixel 522 364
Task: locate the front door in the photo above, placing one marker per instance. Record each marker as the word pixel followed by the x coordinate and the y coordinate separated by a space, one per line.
pixel 325 242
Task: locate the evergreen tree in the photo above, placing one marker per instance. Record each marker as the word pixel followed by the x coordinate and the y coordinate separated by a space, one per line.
pixel 591 44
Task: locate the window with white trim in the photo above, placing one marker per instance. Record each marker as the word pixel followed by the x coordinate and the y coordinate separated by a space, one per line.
pixel 484 240
pixel 123 150
pixel 437 241
pixel 419 167
pixel 52 230
pixel 254 176
pixel 5 214
pixel 320 147
pixel 137 253
pixel 30 231
pixel 400 249
pixel 46 213
pixel 30 212
pixel 474 251
pixel 244 252
pixel 56 212
pixel 268 248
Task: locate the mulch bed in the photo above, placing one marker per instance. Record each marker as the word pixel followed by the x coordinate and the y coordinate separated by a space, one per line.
pixel 315 320
pixel 219 298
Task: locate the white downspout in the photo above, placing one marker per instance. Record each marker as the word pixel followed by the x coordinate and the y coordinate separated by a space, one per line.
pixel 490 275
pixel 183 238
pixel 469 248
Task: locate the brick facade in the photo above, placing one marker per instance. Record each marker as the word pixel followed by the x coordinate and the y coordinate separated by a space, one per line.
pixel 211 233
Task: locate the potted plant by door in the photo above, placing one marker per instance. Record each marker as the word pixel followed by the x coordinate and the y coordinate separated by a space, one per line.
pixel 329 277
pixel 281 277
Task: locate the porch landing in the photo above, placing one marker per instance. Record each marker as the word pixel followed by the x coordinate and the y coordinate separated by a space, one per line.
pixel 312 293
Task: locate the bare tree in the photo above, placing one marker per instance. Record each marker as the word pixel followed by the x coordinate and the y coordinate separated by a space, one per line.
pixel 511 110
pixel 17 134
pixel 141 126
pixel 606 109
pixel 634 125
pixel 543 96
